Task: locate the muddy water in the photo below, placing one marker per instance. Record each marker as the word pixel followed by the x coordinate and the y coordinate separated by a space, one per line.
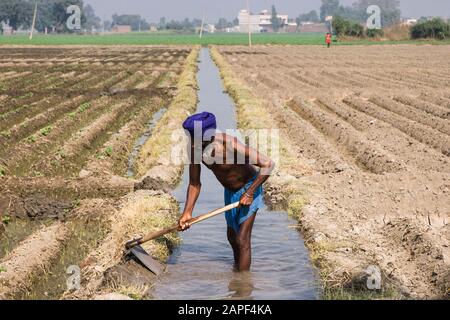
pixel 201 268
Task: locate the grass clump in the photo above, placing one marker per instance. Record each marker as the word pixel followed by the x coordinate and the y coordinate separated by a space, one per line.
pixel 83 107
pixel 6 133
pixel 146 212
pixel 135 293
pixel 2 269
pixel 61 153
pixel 46 131
pixel 105 153
pixel 108 151
pixel 2 171
pixel 295 206
pixel 26 96
pixel 36 173
pixel 155 213
pixel 32 138
pixel 6 219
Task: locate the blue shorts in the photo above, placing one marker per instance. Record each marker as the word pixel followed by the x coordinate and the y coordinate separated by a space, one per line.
pixel 238 216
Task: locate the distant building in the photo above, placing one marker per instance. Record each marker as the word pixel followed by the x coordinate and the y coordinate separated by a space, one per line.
pixel 209 28
pixel 263 22
pixel 7 30
pixel 121 29
pixel 409 22
pixel 248 22
pixel 291 26
pixel 313 27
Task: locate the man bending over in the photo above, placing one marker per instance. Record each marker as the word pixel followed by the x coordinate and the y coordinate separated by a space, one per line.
pixel 233 164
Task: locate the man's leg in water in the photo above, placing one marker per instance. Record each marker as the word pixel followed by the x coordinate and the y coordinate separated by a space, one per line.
pixel 244 243
pixel 232 239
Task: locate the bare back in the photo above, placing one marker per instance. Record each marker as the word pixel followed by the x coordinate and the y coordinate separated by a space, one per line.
pixel 230 172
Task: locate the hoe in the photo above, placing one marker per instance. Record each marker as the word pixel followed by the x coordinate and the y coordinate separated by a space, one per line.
pixel 134 246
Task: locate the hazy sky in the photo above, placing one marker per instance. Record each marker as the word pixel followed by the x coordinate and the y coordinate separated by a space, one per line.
pixel 152 10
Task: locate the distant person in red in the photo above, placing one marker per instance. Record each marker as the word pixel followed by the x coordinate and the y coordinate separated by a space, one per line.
pixel 328 39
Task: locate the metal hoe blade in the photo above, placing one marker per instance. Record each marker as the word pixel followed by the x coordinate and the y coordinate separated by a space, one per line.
pixel 151 264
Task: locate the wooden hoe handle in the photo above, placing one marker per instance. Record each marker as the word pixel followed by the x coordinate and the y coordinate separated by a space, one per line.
pixel 157 234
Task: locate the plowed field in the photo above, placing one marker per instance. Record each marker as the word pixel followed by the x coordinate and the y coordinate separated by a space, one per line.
pixel 370 134
pixel 69 120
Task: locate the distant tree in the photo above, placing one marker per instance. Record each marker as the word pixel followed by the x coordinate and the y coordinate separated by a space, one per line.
pixel 59 15
pixel 46 16
pixel 329 8
pixel 275 20
pixel 174 25
pixel 52 14
pixel 162 23
pixel 348 13
pixel 311 16
pixel 345 27
pixel 372 33
pixel 422 19
pixel 185 25
pixel 223 24
pixel 435 28
pixel 196 23
pixel 235 22
pixel 390 11
pixel 107 25
pixel 17 12
pixel 133 20
pixel 92 21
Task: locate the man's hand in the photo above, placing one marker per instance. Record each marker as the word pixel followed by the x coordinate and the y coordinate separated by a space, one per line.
pixel 246 199
pixel 183 224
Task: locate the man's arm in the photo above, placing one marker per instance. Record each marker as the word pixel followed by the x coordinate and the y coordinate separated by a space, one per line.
pixel 258 159
pixel 193 192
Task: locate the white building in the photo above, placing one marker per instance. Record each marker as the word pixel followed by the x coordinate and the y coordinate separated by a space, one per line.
pixel 260 22
pixel 210 28
pixel 7 30
pixel 410 21
pixel 248 21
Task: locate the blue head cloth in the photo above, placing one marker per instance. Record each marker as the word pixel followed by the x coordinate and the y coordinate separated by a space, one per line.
pixel 206 120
